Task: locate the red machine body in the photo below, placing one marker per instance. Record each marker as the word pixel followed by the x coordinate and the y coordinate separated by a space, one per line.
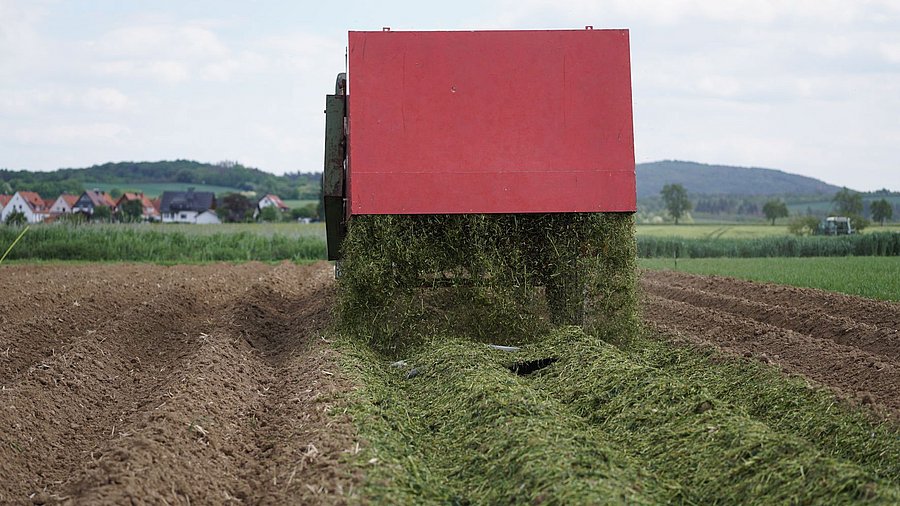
pixel 490 122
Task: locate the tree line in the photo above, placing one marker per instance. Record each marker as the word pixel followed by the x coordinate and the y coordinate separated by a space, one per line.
pixel 296 185
pixel 845 202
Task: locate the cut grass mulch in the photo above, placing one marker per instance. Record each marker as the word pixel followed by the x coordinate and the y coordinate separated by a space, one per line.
pixel 644 422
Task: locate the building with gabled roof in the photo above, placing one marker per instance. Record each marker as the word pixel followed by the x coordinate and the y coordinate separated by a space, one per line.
pixel 188 207
pixel 92 199
pixel 149 211
pixel 30 204
pixel 63 204
pixel 271 200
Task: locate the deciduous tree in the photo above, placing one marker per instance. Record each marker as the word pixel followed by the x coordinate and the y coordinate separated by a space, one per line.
pixel 882 211
pixel 775 209
pixel 676 200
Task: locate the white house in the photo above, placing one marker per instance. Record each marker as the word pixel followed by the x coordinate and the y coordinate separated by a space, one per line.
pixel 30 204
pixel 188 207
pixel 271 200
pixel 208 217
pixel 63 204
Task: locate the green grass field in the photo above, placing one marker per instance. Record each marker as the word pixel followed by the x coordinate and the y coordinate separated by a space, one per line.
pixel 156 189
pixel 874 277
pixel 287 229
pixel 166 243
pixel 732 231
pixel 293 204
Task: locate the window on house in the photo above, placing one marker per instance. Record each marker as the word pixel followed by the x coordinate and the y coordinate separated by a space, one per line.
pixel 183 216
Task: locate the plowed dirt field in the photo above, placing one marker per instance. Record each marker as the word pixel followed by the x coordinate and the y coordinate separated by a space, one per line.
pixel 142 383
pixel 215 384
pixel 849 344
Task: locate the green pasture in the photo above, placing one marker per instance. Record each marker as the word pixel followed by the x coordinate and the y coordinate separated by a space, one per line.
pixel 297 203
pixel 165 243
pixel 734 231
pixel 287 229
pixel 874 277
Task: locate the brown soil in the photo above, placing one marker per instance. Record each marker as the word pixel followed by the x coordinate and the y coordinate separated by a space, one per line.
pixel 849 344
pixel 171 385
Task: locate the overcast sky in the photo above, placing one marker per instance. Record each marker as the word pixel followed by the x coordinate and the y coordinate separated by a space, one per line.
pixel 810 87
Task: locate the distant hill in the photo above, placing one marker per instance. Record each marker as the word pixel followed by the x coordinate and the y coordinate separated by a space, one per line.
pixel 163 175
pixel 702 179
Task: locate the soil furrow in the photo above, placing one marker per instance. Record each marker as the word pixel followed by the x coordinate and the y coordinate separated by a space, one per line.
pixel 881 314
pixel 223 394
pixel 884 342
pixel 851 372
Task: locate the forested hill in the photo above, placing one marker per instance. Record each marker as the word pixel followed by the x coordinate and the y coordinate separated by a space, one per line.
pixel 702 179
pixel 697 178
pixel 223 174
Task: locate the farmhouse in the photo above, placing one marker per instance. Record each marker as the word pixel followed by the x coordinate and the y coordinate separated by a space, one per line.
pixel 63 204
pixel 149 211
pixel 188 207
pixel 271 200
pixel 92 199
pixel 4 199
pixel 30 204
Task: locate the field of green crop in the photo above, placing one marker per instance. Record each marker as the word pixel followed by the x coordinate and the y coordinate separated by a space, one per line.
pixel 875 277
pixel 294 204
pixel 166 243
pixel 732 231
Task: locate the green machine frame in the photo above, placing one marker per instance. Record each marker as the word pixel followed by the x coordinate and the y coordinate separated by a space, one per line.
pixel 334 175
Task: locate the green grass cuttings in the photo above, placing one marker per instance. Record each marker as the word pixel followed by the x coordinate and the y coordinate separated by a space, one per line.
pixel 486 277
pixel 874 277
pixel 155 243
pixel 635 423
pixel 869 244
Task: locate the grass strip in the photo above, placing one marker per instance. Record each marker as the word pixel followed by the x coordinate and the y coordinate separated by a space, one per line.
pixel 152 244
pixel 874 277
pixel 646 422
pixel 874 244
pixel 788 404
pixel 465 430
pixel 687 429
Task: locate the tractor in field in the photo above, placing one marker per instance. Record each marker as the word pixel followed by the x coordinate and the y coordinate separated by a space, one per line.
pixel 497 162
pixel 835 225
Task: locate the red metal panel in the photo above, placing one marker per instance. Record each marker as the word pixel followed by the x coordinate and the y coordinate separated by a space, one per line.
pixel 490 122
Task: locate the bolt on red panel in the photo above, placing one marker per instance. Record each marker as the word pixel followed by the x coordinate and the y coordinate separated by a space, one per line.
pixel 490 122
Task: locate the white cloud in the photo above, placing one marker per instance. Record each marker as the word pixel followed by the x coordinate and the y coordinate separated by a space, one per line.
pixel 91 134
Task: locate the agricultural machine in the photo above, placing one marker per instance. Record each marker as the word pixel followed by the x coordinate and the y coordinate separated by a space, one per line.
pixel 524 137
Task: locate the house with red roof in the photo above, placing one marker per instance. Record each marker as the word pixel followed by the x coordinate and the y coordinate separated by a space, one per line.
pixel 63 204
pixel 92 199
pixel 4 199
pixel 30 204
pixel 149 210
pixel 271 200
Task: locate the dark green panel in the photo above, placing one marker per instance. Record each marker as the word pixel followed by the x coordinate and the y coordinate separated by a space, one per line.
pixel 335 228
pixel 333 181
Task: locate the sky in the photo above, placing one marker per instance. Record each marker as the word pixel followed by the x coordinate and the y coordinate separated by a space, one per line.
pixel 806 86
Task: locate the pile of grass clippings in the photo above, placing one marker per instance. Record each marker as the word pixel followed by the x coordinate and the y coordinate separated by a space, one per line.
pixel 605 424
pixel 592 413
pixel 494 278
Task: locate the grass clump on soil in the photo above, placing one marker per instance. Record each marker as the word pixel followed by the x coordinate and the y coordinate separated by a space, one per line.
pixel 786 404
pixel 606 424
pixel 490 278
